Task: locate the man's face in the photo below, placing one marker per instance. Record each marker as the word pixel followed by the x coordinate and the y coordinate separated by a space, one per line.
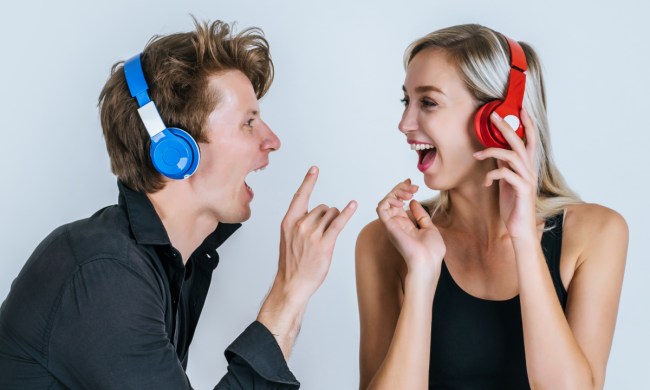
pixel 239 143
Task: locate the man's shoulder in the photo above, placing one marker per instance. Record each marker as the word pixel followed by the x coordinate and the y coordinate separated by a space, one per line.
pixel 98 248
pixel 105 235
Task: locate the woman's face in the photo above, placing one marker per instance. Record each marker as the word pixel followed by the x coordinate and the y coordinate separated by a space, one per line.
pixel 438 120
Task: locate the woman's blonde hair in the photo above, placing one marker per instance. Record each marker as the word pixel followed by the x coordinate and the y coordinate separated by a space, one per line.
pixel 482 57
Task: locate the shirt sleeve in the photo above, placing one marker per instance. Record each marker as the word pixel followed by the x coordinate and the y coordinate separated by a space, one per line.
pixel 255 361
pixel 109 332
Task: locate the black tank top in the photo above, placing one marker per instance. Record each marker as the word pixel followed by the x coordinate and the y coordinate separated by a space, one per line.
pixel 478 343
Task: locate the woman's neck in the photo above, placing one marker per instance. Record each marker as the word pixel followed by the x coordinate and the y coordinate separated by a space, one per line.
pixel 474 210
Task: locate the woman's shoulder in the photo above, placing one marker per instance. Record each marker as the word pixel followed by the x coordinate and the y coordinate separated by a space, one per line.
pixel 589 227
pixel 591 219
pixel 374 248
pixel 374 237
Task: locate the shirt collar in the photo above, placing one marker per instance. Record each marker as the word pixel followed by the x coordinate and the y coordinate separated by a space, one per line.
pixel 148 229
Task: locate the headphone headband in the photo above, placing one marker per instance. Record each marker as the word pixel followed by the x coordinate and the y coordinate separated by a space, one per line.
pixel 516 80
pixel 135 80
pixel 138 87
pixel 517 56
pixel 508 108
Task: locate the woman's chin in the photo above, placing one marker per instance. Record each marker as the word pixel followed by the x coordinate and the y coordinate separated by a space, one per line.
pixel 434 183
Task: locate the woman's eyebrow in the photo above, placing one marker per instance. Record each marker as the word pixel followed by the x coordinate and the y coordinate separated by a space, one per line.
pixel 425 88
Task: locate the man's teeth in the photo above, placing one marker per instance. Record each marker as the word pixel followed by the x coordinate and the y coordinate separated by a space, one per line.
pixel 421 146
pixel 259 169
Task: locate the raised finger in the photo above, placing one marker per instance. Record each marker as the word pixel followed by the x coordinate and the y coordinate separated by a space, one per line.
pixel 300 202
pixel 404 186
pixel 340 221
pixel 395 202
pixel 387 208
pixel 504 174
pixel 531 137
pixel 516 143
pixel 403 194
pixel 512 158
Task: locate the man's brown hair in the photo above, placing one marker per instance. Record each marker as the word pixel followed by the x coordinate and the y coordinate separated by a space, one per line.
pixel 177 67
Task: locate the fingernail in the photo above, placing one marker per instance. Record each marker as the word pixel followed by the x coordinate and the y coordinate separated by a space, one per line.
pixel 313 170
pixel 352 205
pixel 495 116
pixel 477 154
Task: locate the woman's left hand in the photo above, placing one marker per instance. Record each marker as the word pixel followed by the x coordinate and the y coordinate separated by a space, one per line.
pixel 517 177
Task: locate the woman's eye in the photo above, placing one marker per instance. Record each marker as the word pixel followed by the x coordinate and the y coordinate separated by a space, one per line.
pixel 404 101
pixel 427 103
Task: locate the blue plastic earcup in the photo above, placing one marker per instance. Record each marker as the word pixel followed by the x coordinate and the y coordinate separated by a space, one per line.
pixel 174 153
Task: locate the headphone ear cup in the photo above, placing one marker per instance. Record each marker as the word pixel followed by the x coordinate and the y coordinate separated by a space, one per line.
pixel 174 153
pixel 487 134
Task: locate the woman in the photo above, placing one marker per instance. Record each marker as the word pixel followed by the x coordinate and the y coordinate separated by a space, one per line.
pixel 504 285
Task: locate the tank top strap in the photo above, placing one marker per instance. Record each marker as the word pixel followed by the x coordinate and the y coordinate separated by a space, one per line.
pixel 552 248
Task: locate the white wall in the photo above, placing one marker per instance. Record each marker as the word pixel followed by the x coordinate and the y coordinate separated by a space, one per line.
pixel 334 103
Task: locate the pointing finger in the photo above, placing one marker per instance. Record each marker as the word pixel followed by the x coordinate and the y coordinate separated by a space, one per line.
pixel 300 202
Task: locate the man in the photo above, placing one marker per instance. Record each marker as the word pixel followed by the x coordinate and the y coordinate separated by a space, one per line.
pixel 112 301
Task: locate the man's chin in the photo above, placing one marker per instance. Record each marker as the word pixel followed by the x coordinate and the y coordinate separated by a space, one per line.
pixel 236 216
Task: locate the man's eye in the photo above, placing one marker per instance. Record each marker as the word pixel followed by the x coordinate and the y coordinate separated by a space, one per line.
pixel 249 123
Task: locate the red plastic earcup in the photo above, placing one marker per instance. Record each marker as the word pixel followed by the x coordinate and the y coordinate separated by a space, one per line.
pixel 487 134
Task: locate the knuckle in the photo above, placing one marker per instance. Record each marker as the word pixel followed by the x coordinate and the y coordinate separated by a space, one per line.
pixel 314 237
pixel 301 225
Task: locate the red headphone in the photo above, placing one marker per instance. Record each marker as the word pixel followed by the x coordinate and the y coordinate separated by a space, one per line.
pixel 509 108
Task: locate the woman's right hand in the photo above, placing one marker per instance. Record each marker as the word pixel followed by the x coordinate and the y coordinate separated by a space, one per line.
pixel 419 242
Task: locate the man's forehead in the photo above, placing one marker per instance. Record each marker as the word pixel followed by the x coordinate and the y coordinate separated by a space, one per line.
pixel 232 88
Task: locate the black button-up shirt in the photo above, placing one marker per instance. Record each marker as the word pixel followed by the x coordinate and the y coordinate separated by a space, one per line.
pixel 107 303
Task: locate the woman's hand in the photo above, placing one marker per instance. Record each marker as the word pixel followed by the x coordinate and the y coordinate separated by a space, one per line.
pixel 419 242
pixel 517 177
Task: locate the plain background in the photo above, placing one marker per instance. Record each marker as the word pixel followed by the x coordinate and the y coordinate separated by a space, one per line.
pixel 335 104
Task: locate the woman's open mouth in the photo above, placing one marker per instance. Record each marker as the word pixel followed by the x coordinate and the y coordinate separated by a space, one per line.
pixel 426 155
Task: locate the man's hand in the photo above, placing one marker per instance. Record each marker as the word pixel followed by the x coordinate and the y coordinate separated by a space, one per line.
pixel 306 245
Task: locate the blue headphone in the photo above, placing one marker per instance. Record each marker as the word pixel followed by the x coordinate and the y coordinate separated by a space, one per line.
pixel 174 152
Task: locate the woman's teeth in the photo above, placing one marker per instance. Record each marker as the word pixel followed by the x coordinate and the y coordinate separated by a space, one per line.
pixel 421 146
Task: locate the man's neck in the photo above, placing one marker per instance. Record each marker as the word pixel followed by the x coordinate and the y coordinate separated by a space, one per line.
pixel 186 225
